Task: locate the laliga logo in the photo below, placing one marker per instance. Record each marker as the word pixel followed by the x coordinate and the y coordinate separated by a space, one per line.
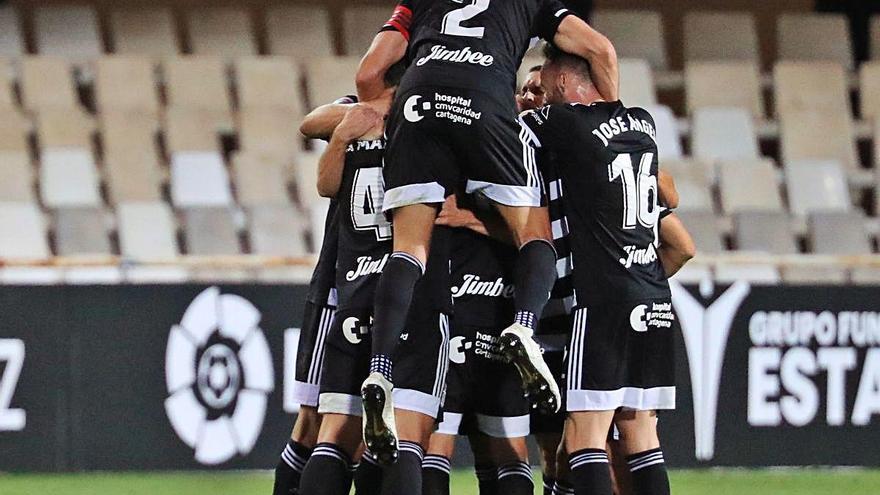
pixel 705 331
pixel 410 108
pixel 218 370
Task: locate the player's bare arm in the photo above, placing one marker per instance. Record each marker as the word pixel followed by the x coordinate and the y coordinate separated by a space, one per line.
pixel 576 37
pixel 667 192
pixel 359 121
pixel 387 49
pixel 676 245
pixel 482 221
pixel 320 122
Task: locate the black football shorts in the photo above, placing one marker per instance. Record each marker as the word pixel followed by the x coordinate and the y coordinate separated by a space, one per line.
pixel 445 139
pixel 622 355
pixel 317 319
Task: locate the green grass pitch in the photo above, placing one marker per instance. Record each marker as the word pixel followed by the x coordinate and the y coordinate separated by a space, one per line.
pixel 716 482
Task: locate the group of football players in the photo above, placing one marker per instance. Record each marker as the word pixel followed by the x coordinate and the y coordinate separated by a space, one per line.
pixel 481 253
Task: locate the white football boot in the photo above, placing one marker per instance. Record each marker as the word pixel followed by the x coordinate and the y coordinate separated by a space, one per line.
pixel 380 432
pixel 518 347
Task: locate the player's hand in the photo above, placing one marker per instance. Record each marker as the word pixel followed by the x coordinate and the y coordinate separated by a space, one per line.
pixel 453 216
pixel 359 120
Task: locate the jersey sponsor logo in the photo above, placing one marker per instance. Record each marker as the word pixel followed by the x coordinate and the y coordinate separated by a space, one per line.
pixel 457 349
pixel 461 56
pixel 473 285
pixel 410 108
pixel 659 316
pixel 368 145
pixel 354 330
pixel 450 107
pixel 638 256
pixel 616 126
pixel 366 265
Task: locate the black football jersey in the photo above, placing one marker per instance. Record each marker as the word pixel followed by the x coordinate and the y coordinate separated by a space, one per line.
pixel 555 318
pixel 482 279
pixel 323 278
pixel 607 160
pixel 474 44
pixel 364 233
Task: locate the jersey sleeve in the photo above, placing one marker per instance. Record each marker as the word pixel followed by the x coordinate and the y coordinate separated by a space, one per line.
pixel 401 18
pixel 547 127
pixel 549 17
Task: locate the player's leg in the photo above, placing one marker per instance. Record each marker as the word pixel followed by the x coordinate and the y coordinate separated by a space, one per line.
pixel 514 471
pixel 585 436
pixel 437 464
pixel 548 445
pixel 621 481
pixel 641 446
pixel 547 429
pixel 329 469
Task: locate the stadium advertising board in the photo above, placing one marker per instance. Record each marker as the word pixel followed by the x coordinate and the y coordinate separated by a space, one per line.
pixel 194 377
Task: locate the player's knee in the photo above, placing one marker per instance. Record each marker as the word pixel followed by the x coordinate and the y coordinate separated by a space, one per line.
pixel 308 423
pixel 507 450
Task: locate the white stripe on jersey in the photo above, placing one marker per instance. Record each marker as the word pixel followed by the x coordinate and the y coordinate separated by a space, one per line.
pixel 559 228
pixel 555 191
pixel 563 267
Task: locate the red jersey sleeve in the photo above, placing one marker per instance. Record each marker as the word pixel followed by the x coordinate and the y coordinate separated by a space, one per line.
pixel 401 19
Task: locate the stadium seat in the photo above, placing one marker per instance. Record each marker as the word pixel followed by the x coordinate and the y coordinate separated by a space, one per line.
pixel 707 84
pixel 749 185
pixel 693 181
pixel 360 23
pixel 331 78
pixel 875 37
pixel 716 36
pixel 127 84
pixel 269 83
pixel 764 231
pixel 190 130
pixel 146 230
pixel 210 231
pixel 69 31
pixel 635 34
pixel 131 159
pixel 814 37
pixel 11 40
pixel 306 178
pixel 703 227
pixel 16 177
pixel 47 82
pixel 723 133
pixel 7 86
pixel 148 31
pixel 668 137
pixel 815 185
pixel 199 83
pixel 300 31
pixel 869 82
pixel 838 233
pixel 81 231
pixel 277 230
pixel 754 273
pixel 220 31
pixel 69 178
pixel 199 179
pixel 819 86
pixel 815 134
pixel 267 131
pixel 636 83
pixel 58 128
pixel 14 129
pixel 23 230
pixel 259 179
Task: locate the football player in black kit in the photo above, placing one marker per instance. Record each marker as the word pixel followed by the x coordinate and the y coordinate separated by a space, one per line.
pixel 452 126
pixel 620 364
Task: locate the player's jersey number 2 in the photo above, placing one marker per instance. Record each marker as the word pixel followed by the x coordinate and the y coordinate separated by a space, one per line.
pixel 453 19
pixel 366 202
pixel 639 190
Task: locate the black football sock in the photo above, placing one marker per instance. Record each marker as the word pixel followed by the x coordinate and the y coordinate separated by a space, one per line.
pixel 515 478
pixel 487 478
pixel 648 470
pixel 562 487
pixel 589 472
pixel 394 293
pixel 435 475
pixel 548 483
pixel 404 477
pixel 368 476
pixel 328 472
pixel 290 468
pixel 535 276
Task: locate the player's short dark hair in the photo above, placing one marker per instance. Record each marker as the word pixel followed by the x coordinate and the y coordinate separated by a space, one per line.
pixel 536 68
pixel 394 74
pixel 578 65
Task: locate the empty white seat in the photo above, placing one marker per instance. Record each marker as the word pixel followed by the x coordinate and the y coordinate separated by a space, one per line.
pixel 720 36
pixel 16 177
pixel 703 227
pixel 221 31
pixel 300 31
pixel 693 182
pixel 23 232
pixel 277 230
pixel 331 78
pixel 11 41
pixel 81 231
pixel 260 179
pixel 126 84
pixel 755 273
pixel 838 233
pixel 749 185
pixel 306 178
pixel 808 36
pixel 146 230
pixel 199 179
pixel 360 24
pixel 46 83
pixel 636 83
pixel 869 82
pixel 764 231
pixel 318 221
pixel 668 137
pixel 199 83
pixel 707 85
pixel 69 177
pixel 69 31
pixel 269 82
pixel 147 30
pixel 271 132
pixel 723 133
pixel 816 186
pixel 818 86
pixel 210 231
pixel 634 33
pixel 814 134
